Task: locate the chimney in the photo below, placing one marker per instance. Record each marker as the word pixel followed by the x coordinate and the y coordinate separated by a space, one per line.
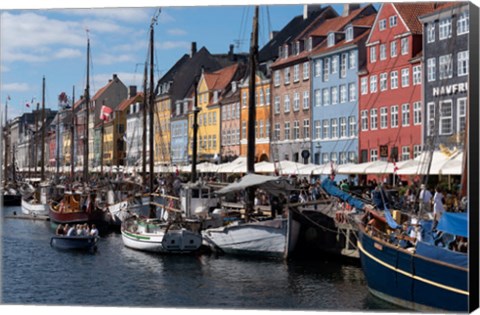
pixel 115 78
pixel 132 90
pixel 273 34
pixel 193 49
pixel 230 52
pixel 308 9
pixel 349 7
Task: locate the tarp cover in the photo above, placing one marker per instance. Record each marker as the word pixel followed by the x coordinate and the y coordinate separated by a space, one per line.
pixel 454 223
pixel 442 254
pixel 274 185
pixel 333 190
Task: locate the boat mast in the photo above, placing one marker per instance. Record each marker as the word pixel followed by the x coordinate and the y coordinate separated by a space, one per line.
pixel 87 110
pixel 35 141
pixel 251 114
pixel 72 143
pixel 144 131
pixel 42 165
pixel 5 165
pixel 195 132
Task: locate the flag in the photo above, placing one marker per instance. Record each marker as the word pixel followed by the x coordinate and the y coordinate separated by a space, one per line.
pixel 105 112
pixel 27 104
pixel 8 98
pixel 395 167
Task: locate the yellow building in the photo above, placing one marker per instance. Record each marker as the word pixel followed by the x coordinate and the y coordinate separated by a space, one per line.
pixel 210 88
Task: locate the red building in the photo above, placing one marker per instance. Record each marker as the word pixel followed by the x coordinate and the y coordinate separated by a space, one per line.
pixel 390 85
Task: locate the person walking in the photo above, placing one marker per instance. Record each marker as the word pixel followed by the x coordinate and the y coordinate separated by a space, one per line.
pixel 425 200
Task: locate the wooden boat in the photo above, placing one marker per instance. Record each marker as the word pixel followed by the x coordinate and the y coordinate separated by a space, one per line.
pixel 152 235
pixel 422 274
pixel 74 242
pixel 75 207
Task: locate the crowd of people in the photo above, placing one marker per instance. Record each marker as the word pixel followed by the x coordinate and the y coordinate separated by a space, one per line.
pixel 76 230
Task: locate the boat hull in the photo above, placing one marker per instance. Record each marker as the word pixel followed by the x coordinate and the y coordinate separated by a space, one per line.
pixel 68 217
pixel 410 280
pixel 11 200
pixel 34 208
pixel 74 242
pixel 271 238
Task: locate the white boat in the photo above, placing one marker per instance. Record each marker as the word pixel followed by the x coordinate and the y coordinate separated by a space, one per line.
pixel 152 235
pixel 36 203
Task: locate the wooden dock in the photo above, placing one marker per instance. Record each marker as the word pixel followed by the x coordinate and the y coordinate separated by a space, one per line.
pixel 22 216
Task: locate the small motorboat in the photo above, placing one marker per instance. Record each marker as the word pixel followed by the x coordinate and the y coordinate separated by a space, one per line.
pixel 74 242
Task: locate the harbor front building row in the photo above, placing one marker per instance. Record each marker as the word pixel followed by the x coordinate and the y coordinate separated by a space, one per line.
pixel 372 83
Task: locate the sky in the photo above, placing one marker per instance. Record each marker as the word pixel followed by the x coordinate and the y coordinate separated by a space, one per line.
pixel 52 42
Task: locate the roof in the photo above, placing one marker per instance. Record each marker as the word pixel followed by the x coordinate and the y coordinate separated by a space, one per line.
pixel 169 76
pixel 411 11
pixel 218 80
pixel 129 101
pixel 322 49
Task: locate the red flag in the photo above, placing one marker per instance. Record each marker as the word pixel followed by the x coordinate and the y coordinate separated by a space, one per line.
pixel 395 167
pixel 27 104
pixel 105 112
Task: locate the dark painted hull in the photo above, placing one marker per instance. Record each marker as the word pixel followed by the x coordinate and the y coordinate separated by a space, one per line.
pixel 74 242
pixel 12 200
pixel 410 280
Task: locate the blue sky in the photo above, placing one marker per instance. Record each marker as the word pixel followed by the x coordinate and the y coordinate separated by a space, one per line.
pixel 52 43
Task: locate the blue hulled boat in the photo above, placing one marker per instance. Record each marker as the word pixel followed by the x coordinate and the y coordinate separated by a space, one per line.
pixel 88 243
pixel 426 273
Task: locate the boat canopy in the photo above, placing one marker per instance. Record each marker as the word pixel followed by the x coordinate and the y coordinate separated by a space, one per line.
pixel 329 186
pixel 454 223
pixel 275 185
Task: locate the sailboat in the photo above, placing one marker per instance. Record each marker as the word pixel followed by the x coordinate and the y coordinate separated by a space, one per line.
pixel 275 237
pixel 11 194
pixel 168 234
pixel 35 202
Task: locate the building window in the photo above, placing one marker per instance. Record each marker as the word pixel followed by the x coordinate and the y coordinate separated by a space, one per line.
pixel 462 112
pixel 296 130
pixel 404 46
pixel 352 89
pixel 343 93
pixel 352 126
pixel 417 113
pixel 406 115
pixel 343 66
pixel 276 77
pixel 463 23
pixel 318 97
pixel 417 75
pixel 324 158
pixel 445 28
pixel 373 155
pixel 405 77
pixel 373 119
pixel 334 122
pixel 277 132
pixel 431 33
pixel 334 64
pixel 373 84
pixel 417 150
pixel 331 39
pixel 393 21
pixel 325 128
pixel 364 120
pixel 244 130
pixel 343 127
pixel 267 95
pixel 382 24
pixel 364 85
pixel 333 157
pixel 349 34
pixel 462 63
pixel 296 102
pixel 446 117
pixel 276 104
pixel 326 69
pixel 262 97
pixel 306 128
pixel 244 99
pixel 260 129
pixel 287 130
pixel 318 129
pixel 318 68
pixel 296 73
pixel 431 69
pixel 286 104
pixel 343 158
pixel 306 99
pixel 394 116
pixel 445 67
pixel 286 73
pixel 352 60
pixel 431 119
pixel 334 95
pixel 383 52
pixel 326 97
pixel 405 153
pixel 394 79
pixel 373 54
pixel 383 118
pixel 306 70
pixel 393 48
pixel 383 82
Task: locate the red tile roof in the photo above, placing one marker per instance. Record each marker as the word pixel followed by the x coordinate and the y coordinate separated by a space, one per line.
pixel 129 101
pixel 410 12
pixel 335 24
pixel 324 49
pixel 218 80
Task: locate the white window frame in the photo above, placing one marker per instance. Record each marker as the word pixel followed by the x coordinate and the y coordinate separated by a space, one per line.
pixel 325 129
pixel 352 126
pixel 394 116
pixel 392 20
pixel 404 46
pixel 373 155
pixel 286 103
pixel 417 150
pixel 306 99
pixel 343 65
pixel 445 28
pixel 417 75
pixel 463 23
pixel 326 97
pixel 364 85
pixel 334 67
pixel 352 92
pixel 462 63
pixel 286 130
pixel 306 128
pixel 405 77
pixel 276 77
pixel 373 84
pixel 417 113
pixel 352 62
pixel 430 118
pixel 317 68
pixel 406 115
pixel 445 119
pixel 343 94
pixel 364 120
pixel 330 39
pixel 394 80
pixel 318 97
pixel 343 127
pixel 276 104
pixel 318 129
pixel 296 130
pixel 445 67
pixel 373 54
pixel 383 81
pixel 296 101
pixel 431 33
pixel 373 119
pixel 306 70
pixel 393 49
pixel 334 95
pixel 334 128
pixel 405 153
pixel 326 69
pixel 296 73
pixel 461 114
pixel 349 34
pixel 277 132
pixel 382 24
pixel 431 69
pixel 383 52
pixel 383 118
pixel 286 74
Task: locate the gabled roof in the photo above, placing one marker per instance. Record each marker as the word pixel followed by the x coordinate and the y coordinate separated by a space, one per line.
pixel 219 79
pixel 298 24
pixel 323 49
pixel 410 12
pixel 169 76
pixel 100 92
pixel 79 102
pixel 129 101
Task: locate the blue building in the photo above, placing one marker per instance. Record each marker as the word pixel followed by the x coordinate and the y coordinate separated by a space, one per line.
pixel 334 91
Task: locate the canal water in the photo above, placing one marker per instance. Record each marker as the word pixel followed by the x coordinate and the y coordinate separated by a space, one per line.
pixel 33 273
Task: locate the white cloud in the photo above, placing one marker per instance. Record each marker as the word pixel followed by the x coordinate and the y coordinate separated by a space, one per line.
pixel 109 59
pixel 122 14
pixel 176 32
pixel 67 53
pixel 166 45
pixel 15 87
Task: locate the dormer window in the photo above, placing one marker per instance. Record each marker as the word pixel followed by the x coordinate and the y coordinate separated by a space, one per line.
pixel 280 51
pixel 285 51
pixel 234 86
pixel 297 47
pixel 215 96
pixel 349 34
pixel 331 39
pixel 393 21
pixel 310 43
